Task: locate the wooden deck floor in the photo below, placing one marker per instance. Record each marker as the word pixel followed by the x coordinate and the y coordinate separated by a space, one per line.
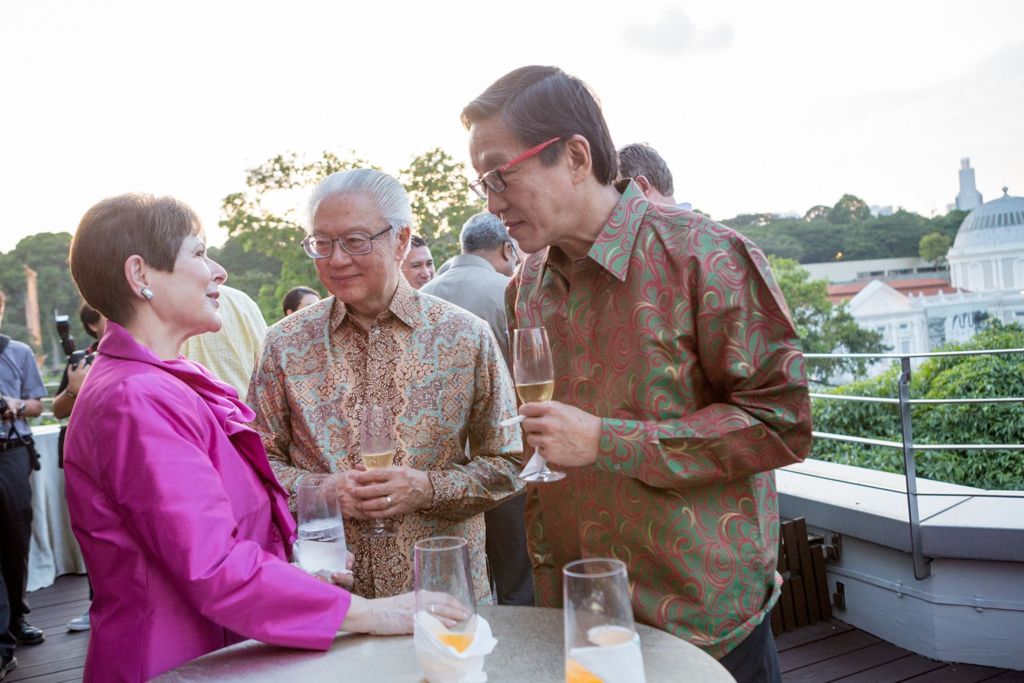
pixel 834 651
pixel 828 651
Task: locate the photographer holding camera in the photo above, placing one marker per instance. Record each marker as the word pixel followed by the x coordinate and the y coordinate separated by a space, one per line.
pixel 79 362
pixel 21 387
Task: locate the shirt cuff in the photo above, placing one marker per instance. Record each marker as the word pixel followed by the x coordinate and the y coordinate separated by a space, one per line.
pixel 445 490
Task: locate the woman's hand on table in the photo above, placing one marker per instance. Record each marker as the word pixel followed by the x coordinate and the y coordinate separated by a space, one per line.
pixel 394 615
pixel 391 491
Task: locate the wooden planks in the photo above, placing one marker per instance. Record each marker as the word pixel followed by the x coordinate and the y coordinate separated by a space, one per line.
pixel 833 651
pixel 805 598
pixel 61 657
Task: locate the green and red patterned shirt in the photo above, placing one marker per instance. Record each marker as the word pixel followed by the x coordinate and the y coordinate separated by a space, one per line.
pixel 673 330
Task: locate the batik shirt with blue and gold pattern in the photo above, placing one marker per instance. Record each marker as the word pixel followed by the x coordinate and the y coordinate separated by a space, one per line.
pixel 440 370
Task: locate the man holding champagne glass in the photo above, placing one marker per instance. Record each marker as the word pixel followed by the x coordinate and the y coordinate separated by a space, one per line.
pixel 402 473
pixel 678 378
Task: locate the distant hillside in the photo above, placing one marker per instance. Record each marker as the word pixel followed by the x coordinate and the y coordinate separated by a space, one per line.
pixel 845 231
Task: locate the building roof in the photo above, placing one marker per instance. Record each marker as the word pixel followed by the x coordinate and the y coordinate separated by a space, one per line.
pixel 916 286
pixel 994 223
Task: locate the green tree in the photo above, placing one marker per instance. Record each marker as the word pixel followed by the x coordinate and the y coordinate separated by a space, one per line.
pixel 933 248
pixel 817 213
pixel 441 200
pixel 263 252
pixel 823 327
pixel 47 254
pixel 940 377
pixel 848 210
pixel 272 236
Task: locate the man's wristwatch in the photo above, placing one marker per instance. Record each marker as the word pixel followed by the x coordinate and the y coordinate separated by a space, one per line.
pixel 21 409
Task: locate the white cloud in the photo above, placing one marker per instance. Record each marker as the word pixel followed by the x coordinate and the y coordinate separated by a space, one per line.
pixel 675 34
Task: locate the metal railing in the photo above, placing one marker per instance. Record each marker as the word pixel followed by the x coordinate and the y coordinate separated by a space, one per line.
pixel 922 567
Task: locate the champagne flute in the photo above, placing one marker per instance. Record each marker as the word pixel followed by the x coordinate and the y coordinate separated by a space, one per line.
pixel 321 544
pixel 377 446
pixel 441 571
pixel 601 642
pixel 535 381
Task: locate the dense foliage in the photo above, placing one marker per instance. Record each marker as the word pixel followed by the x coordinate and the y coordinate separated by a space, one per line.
pixel 823 327
pixel 846 231
pixel 982 376
pixel 262 254
pixel 46 253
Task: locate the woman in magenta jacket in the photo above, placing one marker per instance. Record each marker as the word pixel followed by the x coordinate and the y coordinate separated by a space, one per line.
pixel 184 528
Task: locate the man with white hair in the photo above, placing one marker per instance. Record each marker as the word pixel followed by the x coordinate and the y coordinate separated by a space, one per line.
pixel 476 281
pixel 377 341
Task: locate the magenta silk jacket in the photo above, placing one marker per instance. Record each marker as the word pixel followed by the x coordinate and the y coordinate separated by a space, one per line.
pixel 184 528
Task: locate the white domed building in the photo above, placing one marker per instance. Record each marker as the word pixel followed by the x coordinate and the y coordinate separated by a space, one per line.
pixel 986 265
pixel 988 254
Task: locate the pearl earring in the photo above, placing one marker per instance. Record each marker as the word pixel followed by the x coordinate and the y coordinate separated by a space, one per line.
pixel 147 292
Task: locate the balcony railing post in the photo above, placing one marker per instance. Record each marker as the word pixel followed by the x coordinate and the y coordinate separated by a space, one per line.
pixel 922 566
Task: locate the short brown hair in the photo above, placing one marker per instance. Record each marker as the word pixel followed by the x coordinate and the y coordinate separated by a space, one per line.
pixel 640 159
pixel 538 103
pixel 117 228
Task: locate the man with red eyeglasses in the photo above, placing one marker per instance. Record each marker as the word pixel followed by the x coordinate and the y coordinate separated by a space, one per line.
pixel 679 380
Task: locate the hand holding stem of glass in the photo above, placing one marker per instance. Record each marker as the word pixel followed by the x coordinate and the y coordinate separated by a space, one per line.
pixel 376 442
pixel 534 373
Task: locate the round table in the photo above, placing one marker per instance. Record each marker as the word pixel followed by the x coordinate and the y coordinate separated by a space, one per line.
pixel 530 648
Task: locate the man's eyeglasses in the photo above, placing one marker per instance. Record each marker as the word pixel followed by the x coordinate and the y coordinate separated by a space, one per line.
pixel 492 181
pixel 515 252
pixel 356 244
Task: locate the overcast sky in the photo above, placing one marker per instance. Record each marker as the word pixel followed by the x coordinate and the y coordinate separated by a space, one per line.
pixel 756 106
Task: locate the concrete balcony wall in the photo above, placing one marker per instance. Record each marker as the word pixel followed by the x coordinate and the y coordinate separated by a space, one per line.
pixel 971 608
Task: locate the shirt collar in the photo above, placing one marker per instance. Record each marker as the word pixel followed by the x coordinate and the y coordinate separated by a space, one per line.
pixel 614 243
pixel 405 305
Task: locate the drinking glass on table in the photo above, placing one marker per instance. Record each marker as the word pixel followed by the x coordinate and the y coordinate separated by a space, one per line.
pixel 535 381
pixel 441 572
pixel 601 642
pixel 321 544
pixel 377 444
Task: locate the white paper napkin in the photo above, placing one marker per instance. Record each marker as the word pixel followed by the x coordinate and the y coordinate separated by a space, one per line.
pixel 535 465
pixel 613 664
pixel 444 664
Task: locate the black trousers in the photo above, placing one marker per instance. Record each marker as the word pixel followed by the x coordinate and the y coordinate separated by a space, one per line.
pixel 15 536
pixel 755 660
pixel 508 560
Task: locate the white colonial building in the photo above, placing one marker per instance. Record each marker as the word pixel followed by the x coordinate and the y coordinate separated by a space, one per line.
pixel 987 283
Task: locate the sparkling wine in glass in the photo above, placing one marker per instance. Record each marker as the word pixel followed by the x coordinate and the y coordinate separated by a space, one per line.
pixel 601 642
pixel 441 571
pixel 377 446
pixel 535 381
pixel 321 544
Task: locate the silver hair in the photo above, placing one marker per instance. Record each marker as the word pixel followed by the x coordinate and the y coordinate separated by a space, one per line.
pixel 386 193
pixel 483 232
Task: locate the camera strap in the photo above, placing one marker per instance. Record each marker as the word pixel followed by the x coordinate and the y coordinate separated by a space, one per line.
pixel 4 341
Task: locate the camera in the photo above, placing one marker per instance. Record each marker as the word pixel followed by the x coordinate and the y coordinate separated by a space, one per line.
pixel 67 342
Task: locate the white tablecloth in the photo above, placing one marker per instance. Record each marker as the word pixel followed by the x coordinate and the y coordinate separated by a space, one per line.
pixel 54 550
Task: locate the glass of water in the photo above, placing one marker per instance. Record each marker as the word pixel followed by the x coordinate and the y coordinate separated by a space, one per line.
pixel 600 638
pixel 321 544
